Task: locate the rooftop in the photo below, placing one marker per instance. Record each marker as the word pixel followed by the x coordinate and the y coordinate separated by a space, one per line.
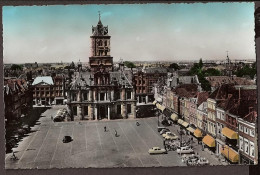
pixel 45 79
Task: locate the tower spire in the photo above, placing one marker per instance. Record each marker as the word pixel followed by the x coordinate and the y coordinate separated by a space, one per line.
pixel 228 61
pixel 99 15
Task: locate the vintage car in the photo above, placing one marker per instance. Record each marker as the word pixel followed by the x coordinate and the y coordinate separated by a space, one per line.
pixel 67 139
pixel 203 161
pixel 192 157
pixel 185 150
pixel 170 136
pixel 157 150
pixel 192 162
pixel 164 131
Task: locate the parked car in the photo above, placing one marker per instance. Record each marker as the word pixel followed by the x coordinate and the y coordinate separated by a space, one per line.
pixel 66 139
pixel 203 161
pixel 164 131
pixel 157 150
pixel 190 157
pixel 185 150
pixel 170 136
pixel 159 128
pixel 192 162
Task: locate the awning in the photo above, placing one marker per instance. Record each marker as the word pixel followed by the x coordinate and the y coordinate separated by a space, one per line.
pixel 162 108
pixel 208 140
pixel 185 124
pixel 197 133
pixel 230 154
pixel 191 129
pixel 229 133
pixel 154 102
pixel 174 117
pixel 180 121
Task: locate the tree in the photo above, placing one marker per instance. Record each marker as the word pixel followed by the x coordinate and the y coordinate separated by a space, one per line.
pixel 129 64
pixel 211 72
pixel 175 66
pixel 197 69
pixel 246 70
pixel 200 63
pixel 72 65
pixel 16 67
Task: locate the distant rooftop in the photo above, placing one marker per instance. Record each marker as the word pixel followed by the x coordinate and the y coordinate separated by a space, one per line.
pixel 45 79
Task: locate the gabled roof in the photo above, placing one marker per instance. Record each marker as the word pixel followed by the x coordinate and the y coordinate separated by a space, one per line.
pixel 242 108
pixel 251 117
pixel 202 97
pixel 14 85
pixel 222 92
pixel 81 79
pixel 239 102
pixel 216 81
pixel 186 90
pixel 45 79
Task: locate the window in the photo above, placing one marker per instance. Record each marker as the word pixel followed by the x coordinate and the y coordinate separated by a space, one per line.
pixel 245 130
pixel 252 132
pixel 241 143
pixel 74 97
pixel 85 110
pixel 222 116
pixel 218 115
pixel 74 108
pixel 246 146
pixel 240 127
pixel 102 96
pixel 252 149
pixel 128 95
pixel 118 109
pixel 128 108
pixel 85 96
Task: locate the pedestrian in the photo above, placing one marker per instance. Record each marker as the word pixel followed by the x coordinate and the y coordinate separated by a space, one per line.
pixel 105 129
pixel 51 117
pixel 115 133
pixel 14 156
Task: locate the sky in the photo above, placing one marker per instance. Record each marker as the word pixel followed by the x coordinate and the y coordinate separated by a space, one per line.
pixel 139 32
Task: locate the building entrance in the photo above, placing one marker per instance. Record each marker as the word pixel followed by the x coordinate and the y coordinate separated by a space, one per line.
pixel 102 111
